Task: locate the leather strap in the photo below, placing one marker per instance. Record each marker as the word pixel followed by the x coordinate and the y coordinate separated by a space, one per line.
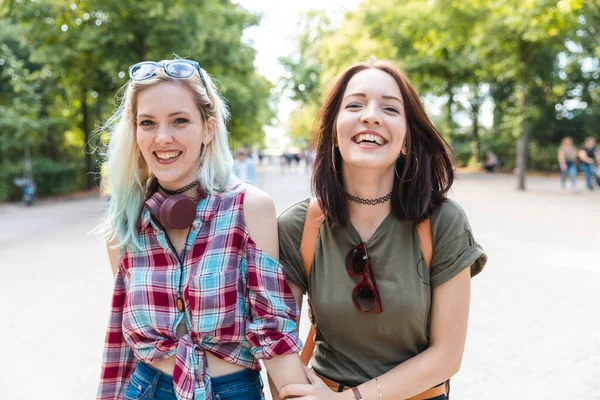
pixel 357 395
pixel 426 241
pixel 312 224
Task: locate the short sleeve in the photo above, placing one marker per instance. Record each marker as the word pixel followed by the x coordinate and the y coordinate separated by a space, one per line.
pixel 454 246
pixel 290 225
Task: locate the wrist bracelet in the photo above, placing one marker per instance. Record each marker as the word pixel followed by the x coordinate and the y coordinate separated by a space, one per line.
pixel 356 392
pixel 379 388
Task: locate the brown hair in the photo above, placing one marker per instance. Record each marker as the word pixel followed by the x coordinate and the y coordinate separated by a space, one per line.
pixel 426 174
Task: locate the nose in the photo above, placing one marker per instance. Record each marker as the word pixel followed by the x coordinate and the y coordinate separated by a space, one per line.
pixel 370 115
pixel 163 136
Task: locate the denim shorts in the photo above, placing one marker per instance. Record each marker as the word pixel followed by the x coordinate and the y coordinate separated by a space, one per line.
pixel 147 382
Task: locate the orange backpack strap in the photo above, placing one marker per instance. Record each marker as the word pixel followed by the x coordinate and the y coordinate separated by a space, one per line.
pixel 426 240
pixel 312 223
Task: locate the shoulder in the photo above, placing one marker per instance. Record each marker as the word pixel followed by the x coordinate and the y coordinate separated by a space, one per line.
pixel 261 221
pixel 449 216
pixel 449 209
pixel 292 218
pixel 257 201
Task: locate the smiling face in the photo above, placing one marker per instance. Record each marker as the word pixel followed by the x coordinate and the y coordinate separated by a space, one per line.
pixel 170 132
pixel 371 123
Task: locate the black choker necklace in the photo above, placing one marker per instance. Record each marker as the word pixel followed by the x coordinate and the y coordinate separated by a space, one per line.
pixel 370 202
pixel 180 190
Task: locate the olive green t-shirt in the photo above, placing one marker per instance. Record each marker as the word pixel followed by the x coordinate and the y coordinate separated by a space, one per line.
pixel 352 347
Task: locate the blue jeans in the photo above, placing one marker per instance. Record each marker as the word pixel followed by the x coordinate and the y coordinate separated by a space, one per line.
pixel 571 171
pixel 147 382
pixel 589 171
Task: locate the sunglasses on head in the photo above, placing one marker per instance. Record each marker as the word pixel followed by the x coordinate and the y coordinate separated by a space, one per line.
pixel 364 295
pixel 179 69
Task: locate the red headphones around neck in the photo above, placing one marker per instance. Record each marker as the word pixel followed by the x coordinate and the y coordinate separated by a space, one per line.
pixel 172 212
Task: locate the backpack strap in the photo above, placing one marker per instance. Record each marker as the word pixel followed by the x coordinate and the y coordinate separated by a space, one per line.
pixel 312 224
pixel 310 234
pixel 426 241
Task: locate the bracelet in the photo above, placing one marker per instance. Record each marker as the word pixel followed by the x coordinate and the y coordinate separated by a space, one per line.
pixel 357 395
pixel 379 388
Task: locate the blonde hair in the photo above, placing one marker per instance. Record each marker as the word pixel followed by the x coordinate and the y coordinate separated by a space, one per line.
pixel 129 174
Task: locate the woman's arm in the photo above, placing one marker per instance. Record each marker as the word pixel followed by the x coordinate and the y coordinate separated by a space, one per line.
pixel 261 221
pixel 584 157
pixel 298 296
pixel 441 360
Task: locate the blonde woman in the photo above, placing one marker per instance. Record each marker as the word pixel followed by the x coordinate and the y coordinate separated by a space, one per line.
pixel 199 295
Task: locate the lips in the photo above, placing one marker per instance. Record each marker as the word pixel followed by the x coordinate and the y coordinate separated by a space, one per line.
pixel 369 138
pixel 167 156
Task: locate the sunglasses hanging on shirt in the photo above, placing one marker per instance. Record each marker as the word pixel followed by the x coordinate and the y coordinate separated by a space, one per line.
pixel 364 295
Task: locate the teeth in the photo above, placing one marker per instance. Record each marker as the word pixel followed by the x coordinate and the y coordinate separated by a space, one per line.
pixel 167 155
pixel 370 138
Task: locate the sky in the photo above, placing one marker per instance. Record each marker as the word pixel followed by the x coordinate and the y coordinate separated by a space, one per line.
pixel 274 38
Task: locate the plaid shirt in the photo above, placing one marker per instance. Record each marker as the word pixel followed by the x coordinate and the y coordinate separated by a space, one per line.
pixel 238 305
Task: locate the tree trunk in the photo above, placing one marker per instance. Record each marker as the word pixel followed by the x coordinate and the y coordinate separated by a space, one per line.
pixel 497 113
pixel 475 145
pixel 85 127
pixel 523 143
pixel 449 86
pixel 449 119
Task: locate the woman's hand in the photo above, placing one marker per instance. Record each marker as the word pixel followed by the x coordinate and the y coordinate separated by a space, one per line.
pixel 316 390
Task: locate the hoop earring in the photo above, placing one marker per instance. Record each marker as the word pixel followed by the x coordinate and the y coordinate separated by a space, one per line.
pixel 333 160
pixel 416 172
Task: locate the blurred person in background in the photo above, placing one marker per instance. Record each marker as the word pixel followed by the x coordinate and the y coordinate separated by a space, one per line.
pixel 589 158
pixel 199 295
pixel 387 325
pixel 311 154
pixel 244 167
pixel 567 157
pixel 491 161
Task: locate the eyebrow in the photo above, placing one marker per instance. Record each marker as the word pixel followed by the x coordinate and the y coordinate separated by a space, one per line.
pixel 170 115
pixel 387 97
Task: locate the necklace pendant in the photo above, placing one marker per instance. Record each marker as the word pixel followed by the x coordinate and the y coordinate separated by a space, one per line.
pixel 180 304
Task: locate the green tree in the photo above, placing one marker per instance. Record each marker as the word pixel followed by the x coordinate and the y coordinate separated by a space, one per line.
pixel 75 55
pixel 519 42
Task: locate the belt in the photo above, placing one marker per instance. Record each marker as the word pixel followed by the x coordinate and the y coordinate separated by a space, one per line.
pixel 428 394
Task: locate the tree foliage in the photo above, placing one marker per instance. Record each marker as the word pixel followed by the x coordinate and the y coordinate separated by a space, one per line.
pixel 535 63
pixel 61 64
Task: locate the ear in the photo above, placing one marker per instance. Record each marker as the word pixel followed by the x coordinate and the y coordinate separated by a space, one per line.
pixel 210 130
